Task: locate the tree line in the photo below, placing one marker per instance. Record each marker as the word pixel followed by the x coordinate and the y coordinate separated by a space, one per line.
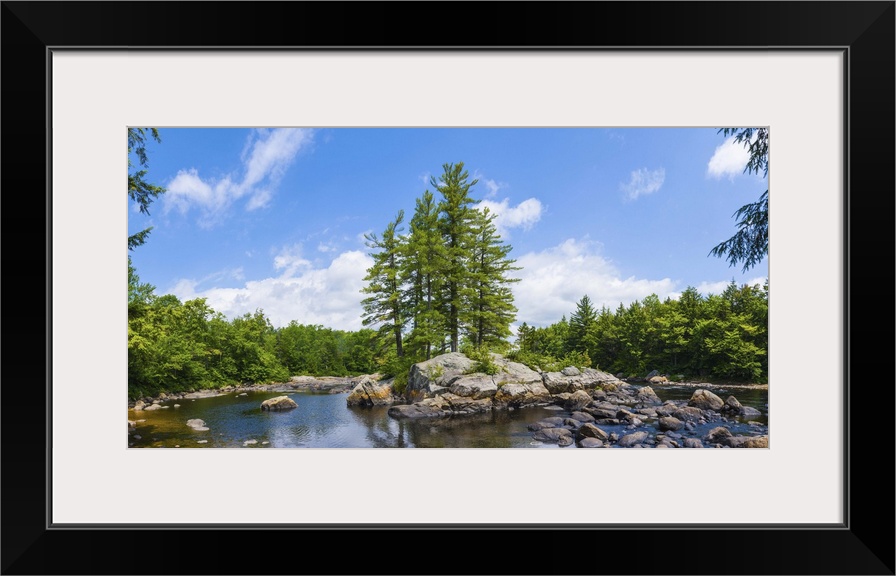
pixel 723 337
pixel 176 346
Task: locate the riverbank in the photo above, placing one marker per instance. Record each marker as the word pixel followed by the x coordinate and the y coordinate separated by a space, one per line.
pixel 319 384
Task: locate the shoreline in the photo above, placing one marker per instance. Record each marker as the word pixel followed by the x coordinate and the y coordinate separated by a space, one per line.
pixel 345 384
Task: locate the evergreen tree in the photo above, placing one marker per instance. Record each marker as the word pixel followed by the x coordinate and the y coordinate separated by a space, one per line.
pixel 490 310
pixel 580 326
pixel 749 245
pixel 456 216
pixel 385 304
pixel 139 190
pixel 425 258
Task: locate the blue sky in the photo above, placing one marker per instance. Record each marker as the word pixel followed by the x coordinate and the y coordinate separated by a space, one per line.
pixel 274 219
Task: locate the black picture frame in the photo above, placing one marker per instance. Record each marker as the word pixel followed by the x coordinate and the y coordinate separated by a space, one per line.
pixel 864 544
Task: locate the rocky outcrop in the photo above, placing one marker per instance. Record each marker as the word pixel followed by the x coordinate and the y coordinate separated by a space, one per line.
pixel 371 392
pixel 279 403
pixel 433 377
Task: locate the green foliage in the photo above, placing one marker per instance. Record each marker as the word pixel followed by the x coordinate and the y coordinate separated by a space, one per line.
pixel 385 307
pixel 435 372
pixel 139 190
pixel 546 363
pixel 749 245
pixel 718 337
pixel 483 363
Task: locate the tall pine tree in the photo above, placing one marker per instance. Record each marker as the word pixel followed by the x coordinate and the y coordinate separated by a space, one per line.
pixel 385 305
pixel 490 310
pixel 456 217
pixel 426 256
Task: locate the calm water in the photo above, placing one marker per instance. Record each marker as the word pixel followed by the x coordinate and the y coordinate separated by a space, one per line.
pixel 324 421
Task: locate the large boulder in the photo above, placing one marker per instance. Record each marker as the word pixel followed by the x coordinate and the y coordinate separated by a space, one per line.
pixel 571 379
pixel 475 386
pixel 522 394
pixel 371 392
pixel 279 403
pixel 434 376
pixel 705 400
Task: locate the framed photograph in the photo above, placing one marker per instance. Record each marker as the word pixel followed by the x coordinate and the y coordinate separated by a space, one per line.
pixel 818 75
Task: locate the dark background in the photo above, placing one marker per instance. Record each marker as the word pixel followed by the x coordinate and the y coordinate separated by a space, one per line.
pixel 864 545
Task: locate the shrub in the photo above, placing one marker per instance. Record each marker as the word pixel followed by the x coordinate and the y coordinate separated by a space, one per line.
pixel 482 360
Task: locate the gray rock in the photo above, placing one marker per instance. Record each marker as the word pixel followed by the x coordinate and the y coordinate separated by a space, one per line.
pixel 718 435
pixel 631 439
pixel 693 443
pixel 732 405
pixel 152 407
pixel 582 416
pixel 415 411
pixel 578 400
pixel 131 425
pixel 570 371
pixel 428 379
pixel 646 395
pixel 670 423
pixel 651 374
pixel 687 414
pixel 371 392
pixel 552 422
pixel 589 443
pixel 750 412
pixel 553 435
pixel 591 431
pixel 279 403
pixel 474 386
pixel 139 405
pixel 705 400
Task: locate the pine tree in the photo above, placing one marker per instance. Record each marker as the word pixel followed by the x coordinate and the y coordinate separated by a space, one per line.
pixel 385 305
pixel 425 258
pixel 490 310
pixel 456 215
pixel 580 324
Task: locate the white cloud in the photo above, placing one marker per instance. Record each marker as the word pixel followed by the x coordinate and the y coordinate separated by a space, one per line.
pixel 554 280
pixel 729 160
pixel 290 260
pixel 524 215
pixel 643 182
pixel 492 187
pixel 326 247
pixel 329 296
pixel 266 156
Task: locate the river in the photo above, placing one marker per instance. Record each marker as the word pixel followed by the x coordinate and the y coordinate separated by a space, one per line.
pixel 324 421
